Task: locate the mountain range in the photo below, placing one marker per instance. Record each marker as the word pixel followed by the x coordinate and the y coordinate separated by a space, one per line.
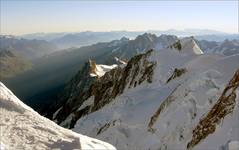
pixel 226 47
pixel 78 39
pixel 29 49
pixel 12 64
pixel 51 72
pixel 150 92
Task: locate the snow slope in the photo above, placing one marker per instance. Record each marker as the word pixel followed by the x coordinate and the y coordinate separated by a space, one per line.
pixel 23 128
pixel 189 46
pixel 163 115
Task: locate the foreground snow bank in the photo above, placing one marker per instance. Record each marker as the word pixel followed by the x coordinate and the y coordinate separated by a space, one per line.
pixel 23 128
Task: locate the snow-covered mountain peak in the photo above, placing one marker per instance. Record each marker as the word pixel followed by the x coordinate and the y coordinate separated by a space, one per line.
pixel 187 45
pixel 23 128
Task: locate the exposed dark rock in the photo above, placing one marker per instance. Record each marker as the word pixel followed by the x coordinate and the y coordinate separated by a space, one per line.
pixel 177 45
pixel 224 106
pixel 113 83
pixel 162 106
pixel 105 88
pixel 177 73
pixel 105 127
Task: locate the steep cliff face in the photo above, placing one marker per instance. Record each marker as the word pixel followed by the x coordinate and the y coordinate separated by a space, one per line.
pixel 102 90
pixel 75 92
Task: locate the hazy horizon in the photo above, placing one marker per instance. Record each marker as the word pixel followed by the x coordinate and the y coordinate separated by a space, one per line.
pixel 143 31
pixel 27 17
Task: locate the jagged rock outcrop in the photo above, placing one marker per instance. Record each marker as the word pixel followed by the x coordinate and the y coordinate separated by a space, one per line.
pixel 104 89
pixel 176 45
pixel 224 106
pixel 138 69
pixel 92 67
pixel 176 73
pixel 98 70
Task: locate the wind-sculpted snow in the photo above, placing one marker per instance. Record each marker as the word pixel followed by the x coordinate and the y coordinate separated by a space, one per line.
pixel 23 128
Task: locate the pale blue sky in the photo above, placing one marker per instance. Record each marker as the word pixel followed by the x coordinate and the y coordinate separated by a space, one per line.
pixel 20 17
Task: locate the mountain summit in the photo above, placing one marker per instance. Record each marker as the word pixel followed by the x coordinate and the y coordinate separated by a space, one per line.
pixel 187 45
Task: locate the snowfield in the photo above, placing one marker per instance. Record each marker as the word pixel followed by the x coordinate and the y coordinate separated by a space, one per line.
pixel 23 128
pixel 162 115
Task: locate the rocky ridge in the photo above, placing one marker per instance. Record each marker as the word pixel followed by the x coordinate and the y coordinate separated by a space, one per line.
pixel 104 89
